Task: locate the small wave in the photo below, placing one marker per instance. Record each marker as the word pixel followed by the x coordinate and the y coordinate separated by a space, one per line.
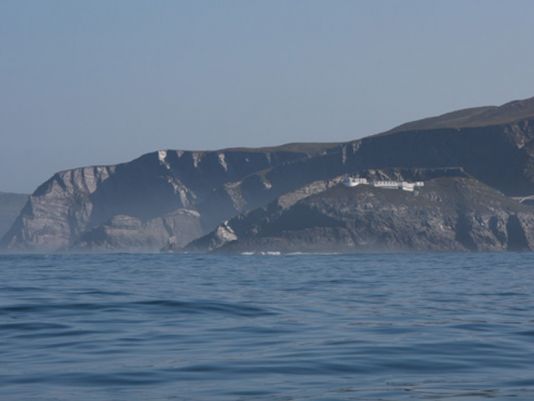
pixel 262 253
pixel 207 307
pixel 212 327
pixel 32 326
pixel 153 306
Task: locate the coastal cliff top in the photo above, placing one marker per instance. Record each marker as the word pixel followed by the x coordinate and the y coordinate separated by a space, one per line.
pixel 474 117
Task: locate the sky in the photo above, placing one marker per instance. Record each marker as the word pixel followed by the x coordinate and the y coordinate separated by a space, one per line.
pixel 102 82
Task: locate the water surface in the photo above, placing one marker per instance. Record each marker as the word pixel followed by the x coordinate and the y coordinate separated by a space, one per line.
pixel 301 327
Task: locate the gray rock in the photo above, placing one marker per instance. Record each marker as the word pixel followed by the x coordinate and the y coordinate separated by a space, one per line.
pixel 130 233
pixel 67 210
pixel 447 214
pixel 10 206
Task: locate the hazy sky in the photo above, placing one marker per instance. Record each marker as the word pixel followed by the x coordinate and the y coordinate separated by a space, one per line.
pixel 97 82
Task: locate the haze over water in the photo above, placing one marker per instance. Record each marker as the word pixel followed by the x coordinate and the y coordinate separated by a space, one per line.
pixel 300 327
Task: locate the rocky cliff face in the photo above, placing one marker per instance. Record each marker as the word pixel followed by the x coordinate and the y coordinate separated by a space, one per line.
pixel 192 192
pixel 500 156
pixel 493 144
pixel 449 213
pixel 162 196
pixel 124 232
pixel 10 207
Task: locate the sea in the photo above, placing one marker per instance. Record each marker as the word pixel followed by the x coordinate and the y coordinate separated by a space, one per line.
pixel 397 326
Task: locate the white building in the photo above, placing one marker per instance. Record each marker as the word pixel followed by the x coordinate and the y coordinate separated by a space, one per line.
pixel 388 184
pixel 351 182
pixel 354 181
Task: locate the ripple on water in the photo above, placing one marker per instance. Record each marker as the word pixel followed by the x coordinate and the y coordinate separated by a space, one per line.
pixel 302 327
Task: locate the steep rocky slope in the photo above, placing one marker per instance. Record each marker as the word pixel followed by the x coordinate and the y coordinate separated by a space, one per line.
pixel 101 207
pixel 124 232
pixel 10 207
pixel 501 155
pixel 449 213
pixel 89 207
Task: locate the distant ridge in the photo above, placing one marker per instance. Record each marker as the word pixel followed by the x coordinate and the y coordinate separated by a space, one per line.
pixel 301 147
pixel 474 117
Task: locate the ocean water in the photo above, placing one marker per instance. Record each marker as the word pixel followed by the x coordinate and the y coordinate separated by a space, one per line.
pixel 298 327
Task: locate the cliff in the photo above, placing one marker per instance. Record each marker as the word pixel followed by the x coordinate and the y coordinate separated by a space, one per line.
pixel 161 196
pixel 10 207
pixel 495 146
pixel 168 198
pixel 453 213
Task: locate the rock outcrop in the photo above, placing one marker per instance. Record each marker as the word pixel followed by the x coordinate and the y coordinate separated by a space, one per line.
pixel 454 213
pixel 124 232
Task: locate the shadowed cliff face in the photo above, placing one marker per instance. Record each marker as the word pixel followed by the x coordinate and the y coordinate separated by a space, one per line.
pixel 75 205
pixel 10 207
pixel 80 207
pixel 135 234
pixel 452 213
pixel 496 155
pixel 500 156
